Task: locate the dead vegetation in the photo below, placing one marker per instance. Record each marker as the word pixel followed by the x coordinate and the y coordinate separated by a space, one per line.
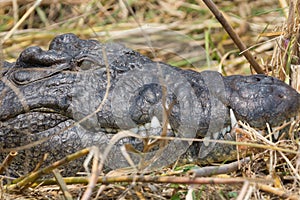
pixel 185 34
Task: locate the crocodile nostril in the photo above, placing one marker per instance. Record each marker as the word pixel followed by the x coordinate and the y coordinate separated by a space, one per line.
pixel 257 79
pixel 281 96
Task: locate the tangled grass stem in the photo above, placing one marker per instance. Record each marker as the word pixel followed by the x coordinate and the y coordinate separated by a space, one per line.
pixel 152 179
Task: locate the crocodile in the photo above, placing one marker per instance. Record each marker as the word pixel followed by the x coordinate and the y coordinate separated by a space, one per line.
pixel 82 93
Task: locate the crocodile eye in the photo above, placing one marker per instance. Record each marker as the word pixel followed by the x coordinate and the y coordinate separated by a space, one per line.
pixel 86 64
pixel 21 77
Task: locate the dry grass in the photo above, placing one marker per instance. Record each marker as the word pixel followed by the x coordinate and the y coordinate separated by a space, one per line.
pixel 110 21
pixel 265 26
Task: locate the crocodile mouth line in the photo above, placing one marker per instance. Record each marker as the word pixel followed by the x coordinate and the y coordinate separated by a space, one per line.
pixel 44 119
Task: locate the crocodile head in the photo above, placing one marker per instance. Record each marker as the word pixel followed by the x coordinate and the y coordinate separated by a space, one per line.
pixel 44 92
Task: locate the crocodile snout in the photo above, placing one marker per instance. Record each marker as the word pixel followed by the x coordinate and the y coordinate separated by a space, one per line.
pixel 260 99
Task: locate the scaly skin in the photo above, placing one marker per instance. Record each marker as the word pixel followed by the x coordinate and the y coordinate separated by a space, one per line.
pixel 46 91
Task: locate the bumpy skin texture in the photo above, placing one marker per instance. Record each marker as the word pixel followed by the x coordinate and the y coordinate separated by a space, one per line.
pixel 45 92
